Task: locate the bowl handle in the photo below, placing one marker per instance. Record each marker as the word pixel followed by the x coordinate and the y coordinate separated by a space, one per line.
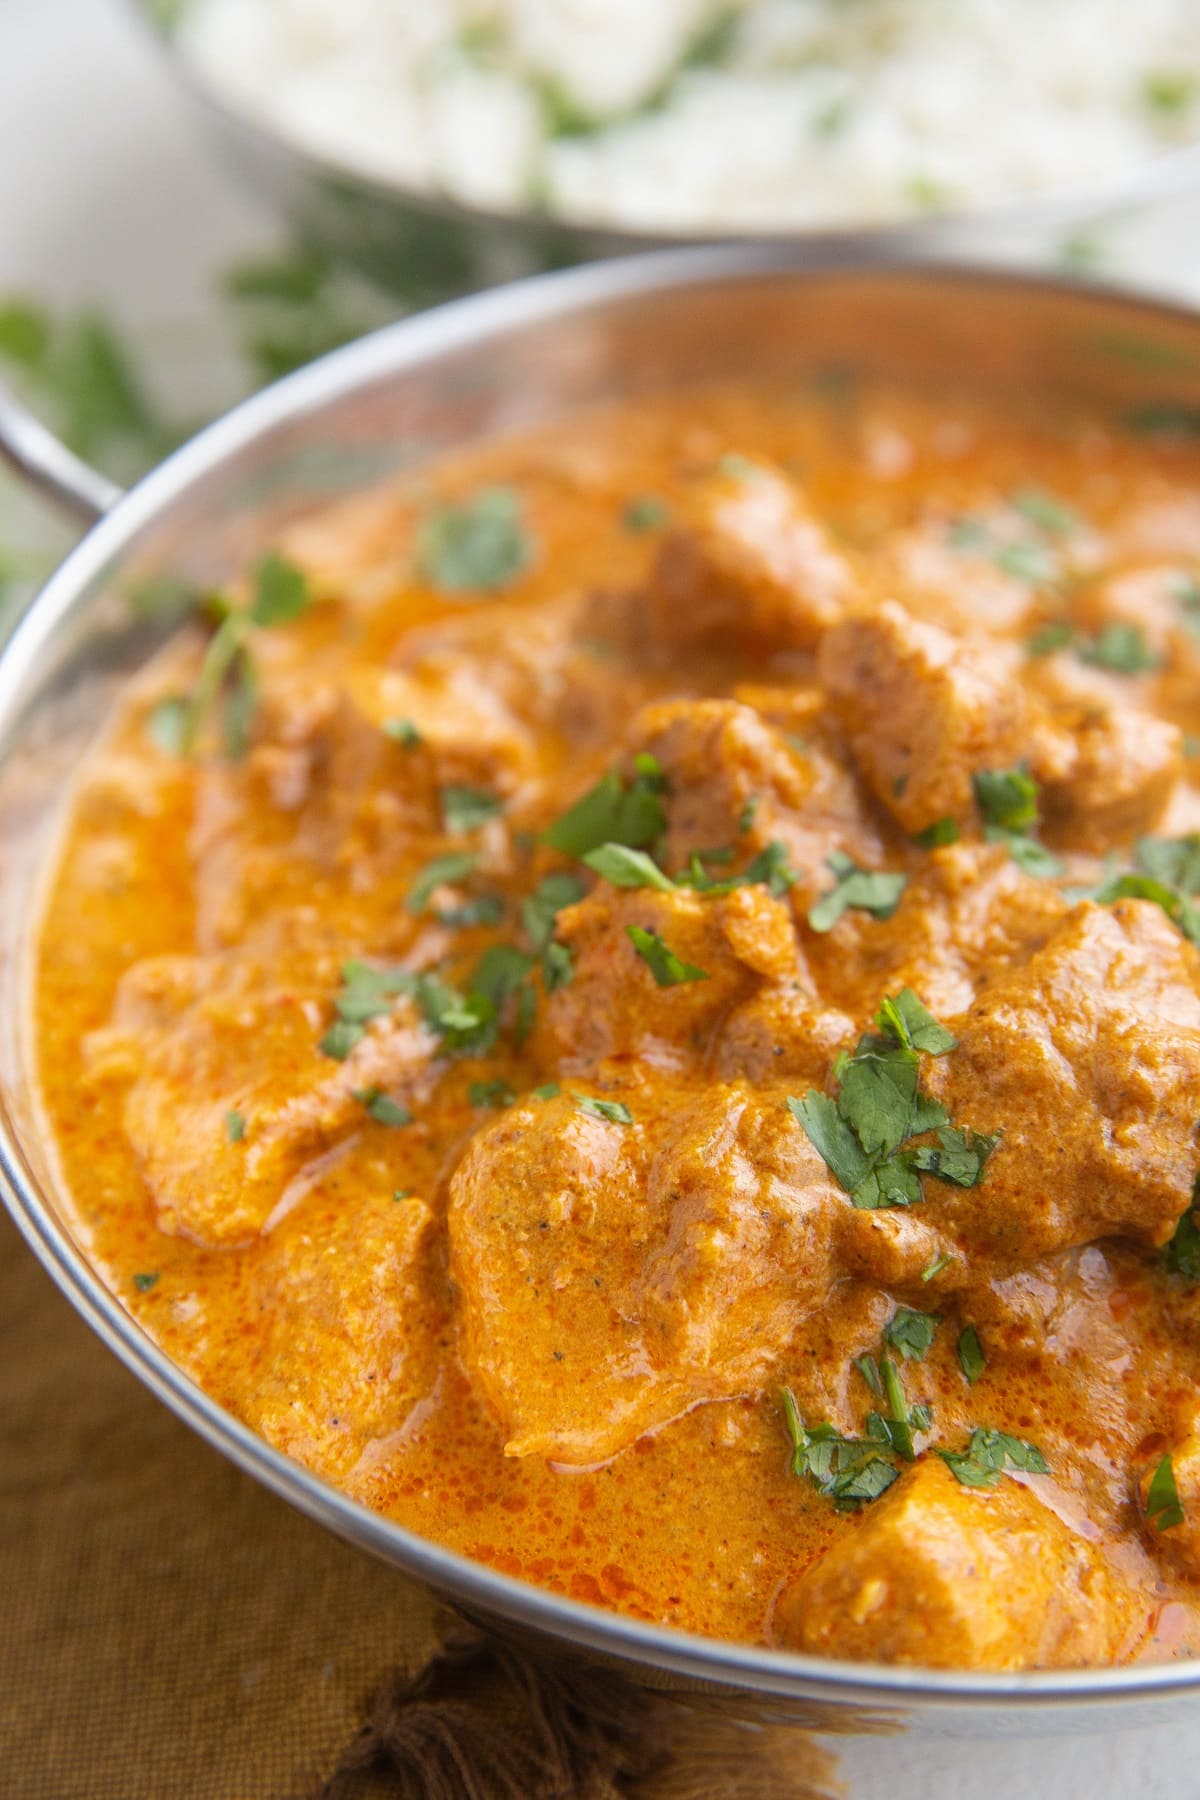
pixel 48 466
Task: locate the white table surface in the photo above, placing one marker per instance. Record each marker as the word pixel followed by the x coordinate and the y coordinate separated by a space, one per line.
pixel 108 194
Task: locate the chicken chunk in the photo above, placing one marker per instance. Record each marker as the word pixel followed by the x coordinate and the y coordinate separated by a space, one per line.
pixel 343 1287
pixel 967 913
pixel 749 565
pixel 924 712
pixel 736 782
pixel 946 1576
pixel 615 1007
pixel 1115 779
pixel 230 1102
pixel 1086 1061
pixel 611 1276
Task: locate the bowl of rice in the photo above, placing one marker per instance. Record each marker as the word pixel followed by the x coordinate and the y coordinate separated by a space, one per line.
pixel 424 133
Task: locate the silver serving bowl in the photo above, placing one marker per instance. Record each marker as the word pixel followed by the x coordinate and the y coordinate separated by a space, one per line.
pixel 497 362
pixel 425 245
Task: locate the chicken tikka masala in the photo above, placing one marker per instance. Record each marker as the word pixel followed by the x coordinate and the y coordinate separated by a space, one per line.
pixel 633 1003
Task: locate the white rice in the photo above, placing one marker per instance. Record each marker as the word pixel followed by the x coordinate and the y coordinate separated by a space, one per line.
pixel 799 113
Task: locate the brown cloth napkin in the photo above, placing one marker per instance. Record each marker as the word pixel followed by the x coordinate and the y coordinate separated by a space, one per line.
pixel 169 1630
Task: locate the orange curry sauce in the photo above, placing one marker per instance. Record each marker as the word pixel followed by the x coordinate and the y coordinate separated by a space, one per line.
pixel 914 634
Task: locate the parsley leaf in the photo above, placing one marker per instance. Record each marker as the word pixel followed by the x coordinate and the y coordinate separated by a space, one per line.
pixel 667 969
pixel 911 1333
pixel 874 891
pixel 612 813
pixel 627 868
pixel 1164 1509
pixel 987 1456
pixel 613 1112
pixel 467 808
pixel 476 545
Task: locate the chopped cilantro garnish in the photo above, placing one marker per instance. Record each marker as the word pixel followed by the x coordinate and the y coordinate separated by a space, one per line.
pixel 1030 856
pixel 1122 647
pixel 851 1471
pixel 987 1456
pixel 1183 1252
pixel 1172 420
pixel 475 545
pixel 911 1333
pixel 484 909
pixel 167 724
pixel 235 1126
pixel 746 816
pixel 942 831
pixel 499 973
pixel 936 1267
pixel 613 1112
pixel 143 1283
pixel 490 1093
pixel 340 1039
pixel 645 513
pixel 467 808
pixel 971 1359
pixel 402 732
pixel 667 969
pixel 1007 798
pixel 868 1368
pixel 541 909
pixel 280 592
pixel 862 1135
pixel 1164 1508
pixel 863 890
pixel 558 967
pixel 770 868
pixel 403 1193
pixel 367 992
pixel 896 1426
pixel 626 868
pixel 613 812
pixel 381 1107
pixel 1056 634
pixel 1044 511
pixel 441 872
pixel 549 1090
pixel 1170 879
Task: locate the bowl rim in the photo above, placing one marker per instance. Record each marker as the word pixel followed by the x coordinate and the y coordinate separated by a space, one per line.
pixel 1161 175
pixel 464 324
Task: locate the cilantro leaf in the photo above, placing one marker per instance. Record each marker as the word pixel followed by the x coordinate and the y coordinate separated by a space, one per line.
pixel 1030 856
pixel 645 513
pixel 340 1039
pixel 490 1093
pixel 1122 647
pixel 626 868
pixel 441 872
pixel 1056 634
pixel 667 969
pixel 832 1138
pixel 281 592
pixel 558 967
pixel 1164 1509
pixel 1044 511
pixel 971 1359
pixel 1007 798
pixel 467 808
pixel 402 732
pixel 911 1333
pixel 476 545
pixel 850 1471
pixel 942 831
pixel 913 1025
pixel 381 1107
pixel 541 909
pixel 611 813
pixel 613 1112
pixel 959 1157
pixel 877 1094
pixel 1183 1252
pixel 874 891
pixel 987 1456
pixel 235 1126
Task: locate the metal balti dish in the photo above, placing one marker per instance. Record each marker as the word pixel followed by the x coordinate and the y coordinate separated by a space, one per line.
pixel 426 245
pixel 489 364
